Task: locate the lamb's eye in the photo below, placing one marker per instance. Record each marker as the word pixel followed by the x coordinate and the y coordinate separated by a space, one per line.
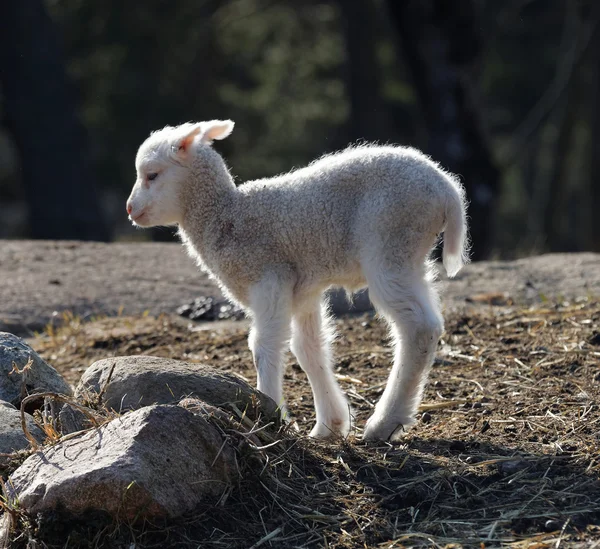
pixel 152 176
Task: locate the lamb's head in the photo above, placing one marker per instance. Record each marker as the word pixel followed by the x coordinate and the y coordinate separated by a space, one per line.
pixel 164 165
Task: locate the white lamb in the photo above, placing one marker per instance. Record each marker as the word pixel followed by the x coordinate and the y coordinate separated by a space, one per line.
pixel 367 216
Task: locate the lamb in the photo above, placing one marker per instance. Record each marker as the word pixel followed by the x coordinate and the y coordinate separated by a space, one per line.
pixel 364 217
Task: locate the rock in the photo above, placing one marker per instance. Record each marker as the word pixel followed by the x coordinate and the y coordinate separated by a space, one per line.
pixel 426 417
pixel 138 381
pixel 39 377
pixel 594 339
pixel 211 308
pixel 512 466
pixel 6 526
pixel 72 420
pixel 160 461
pixel 491 298
pixel 12 437
pixel 552 525
pixel 339 304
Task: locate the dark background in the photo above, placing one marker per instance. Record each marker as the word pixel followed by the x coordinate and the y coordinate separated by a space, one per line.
pixel 504 93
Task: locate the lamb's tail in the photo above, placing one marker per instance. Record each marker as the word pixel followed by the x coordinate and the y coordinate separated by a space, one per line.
pixel 456 239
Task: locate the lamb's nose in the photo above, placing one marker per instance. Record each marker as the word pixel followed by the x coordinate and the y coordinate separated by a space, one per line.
pixel 129 208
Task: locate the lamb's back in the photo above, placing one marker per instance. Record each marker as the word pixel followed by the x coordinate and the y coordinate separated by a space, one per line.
pixel 314 212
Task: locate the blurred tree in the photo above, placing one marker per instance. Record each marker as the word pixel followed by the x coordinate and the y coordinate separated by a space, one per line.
pixel 283 83
pixel 305 77
pixel 593 184
pixel 367 110
pixel 441 45
pixel 39 107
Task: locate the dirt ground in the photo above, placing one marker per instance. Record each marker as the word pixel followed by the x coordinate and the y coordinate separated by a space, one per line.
pixel 506 451
pixel 40 279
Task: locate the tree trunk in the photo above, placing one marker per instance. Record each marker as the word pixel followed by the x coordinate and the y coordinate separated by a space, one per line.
pixel 39 107
pixel 364 86
pixel 594 183
pixel 557 239
pixel 441 45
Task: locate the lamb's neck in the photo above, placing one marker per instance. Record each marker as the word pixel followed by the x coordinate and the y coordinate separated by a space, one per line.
pixel 207 209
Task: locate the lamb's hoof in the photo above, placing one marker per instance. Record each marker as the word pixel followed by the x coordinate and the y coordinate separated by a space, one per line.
pixel 384 430
pixel 333 429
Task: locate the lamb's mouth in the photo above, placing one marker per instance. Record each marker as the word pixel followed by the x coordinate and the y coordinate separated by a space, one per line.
pixel 138 219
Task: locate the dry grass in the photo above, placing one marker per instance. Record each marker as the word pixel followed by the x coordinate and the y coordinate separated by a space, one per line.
pixel 507 452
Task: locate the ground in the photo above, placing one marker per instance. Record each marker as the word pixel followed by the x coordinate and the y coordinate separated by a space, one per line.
pixel 43 278
pixel 506 451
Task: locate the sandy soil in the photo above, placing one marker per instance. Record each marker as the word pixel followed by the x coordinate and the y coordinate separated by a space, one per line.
pixel 40 278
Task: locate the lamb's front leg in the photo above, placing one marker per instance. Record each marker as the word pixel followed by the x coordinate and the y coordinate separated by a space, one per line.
pixel 270 304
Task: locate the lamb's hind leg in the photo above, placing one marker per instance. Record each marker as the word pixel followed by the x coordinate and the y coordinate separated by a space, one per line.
pixel 270 305
pixel 312 334
pixel 410 305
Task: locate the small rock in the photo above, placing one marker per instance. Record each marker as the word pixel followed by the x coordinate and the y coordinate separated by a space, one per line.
pixel 39 377
pixel 12 437
pixel 426 417
pixel 513 466
pixel 594 339
pixel 129 383
pixel 491 298
pixel 210 308
pixel 552 525
pixel 155 462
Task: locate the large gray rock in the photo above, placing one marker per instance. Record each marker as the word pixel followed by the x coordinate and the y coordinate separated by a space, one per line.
pixel 37 378
pixel 12 437
pixel 72 420
pixel 138 381
pixel 155 462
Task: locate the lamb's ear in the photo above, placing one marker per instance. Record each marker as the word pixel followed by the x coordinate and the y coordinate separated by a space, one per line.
pixel 216 129
pixel 181 148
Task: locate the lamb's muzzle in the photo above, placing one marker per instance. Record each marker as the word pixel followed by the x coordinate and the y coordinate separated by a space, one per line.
pixel 367 216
